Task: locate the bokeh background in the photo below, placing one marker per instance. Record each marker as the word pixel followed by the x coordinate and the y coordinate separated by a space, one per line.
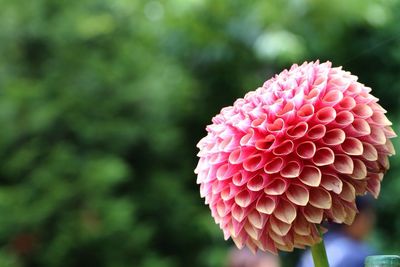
pixel 102 104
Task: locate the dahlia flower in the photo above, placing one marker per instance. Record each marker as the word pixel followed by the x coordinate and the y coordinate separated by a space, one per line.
pixel 292 154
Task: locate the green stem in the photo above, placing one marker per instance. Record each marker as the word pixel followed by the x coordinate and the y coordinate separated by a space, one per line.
pixel 319 255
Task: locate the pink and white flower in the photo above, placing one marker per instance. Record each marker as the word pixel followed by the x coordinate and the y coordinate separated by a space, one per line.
pixel 292 154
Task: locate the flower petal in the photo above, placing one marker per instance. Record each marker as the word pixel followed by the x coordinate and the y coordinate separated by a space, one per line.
pixel 291 169
pixel 276 187
pixel 324 156
pixel 334 137
pixel 320 198
pixel 274 166
pixel 285 211
pixel 325 115
pixel 352 146
pixel 298 194
pixel 310 175
pixel 266 204
pixel 316 132
pixel 332 183
pixel 285 148
pixel 343 164
pixel 257 183
pixel 298 130
pixel 306 150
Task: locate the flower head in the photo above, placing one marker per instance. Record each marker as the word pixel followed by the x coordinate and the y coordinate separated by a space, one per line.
pixel 292 154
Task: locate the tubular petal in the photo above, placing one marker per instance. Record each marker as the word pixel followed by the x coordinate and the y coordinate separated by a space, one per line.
pixel 352 146
pixel 276 236
pixel 348 192
pixel 238 242
pixel 302 226
pixel 343 164
pixel 276 126
pixel 229 144
pixel 279 227
pixel 266 204
pixel 256 219
pixel 276 187
pixel 286 247
pixel 320 198
pixel 316 132
pixel 237 227
pixel 359 171
pixel 380 119
pixel 373 166
pixel 239 155
pixel 266 143
pixel 338 212
pixel 378 108
pixel 285 211
pixel 218 158
pixel 312 214
pixel 257 183
pixel 287 109
pixel 332 183
pixel 374 187
pixel 252 231
pixel 260 123
pixel 217 186
pixel 332 97
pixel 360 186
pixel 285 148
pixel 378 135
pixel 254 162
pixel 268 244
pixel 298 130
pixel 229 192
pixel 306 150
pixel 249 138
pixel 324 156
pixel 239 213
pixel 315 92
pixel 358 128
pixel 305 112
pixel 383 161
pixel 244 198
pixel 222 209
pixel 226 171
pixel 369 152
pixel 354 89
pixel 347 103
pixel 242 177
pixel 291 170
pixel 362 111
pixel 305 240
pixel 310 176
pixel 344 118
pixel 334 137
pixel 205 189
pixel 274 166
pixel 390 148
pixel 350 215
pixel 325 115
pixel 298 194
pixel 251 245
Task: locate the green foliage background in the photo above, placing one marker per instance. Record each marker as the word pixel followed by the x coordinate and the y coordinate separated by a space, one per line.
pixel 102 104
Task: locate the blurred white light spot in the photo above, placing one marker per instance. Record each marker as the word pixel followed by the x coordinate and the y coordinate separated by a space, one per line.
pixel 154 10
pixel 182 7
pixel 280 44
pixel 376 15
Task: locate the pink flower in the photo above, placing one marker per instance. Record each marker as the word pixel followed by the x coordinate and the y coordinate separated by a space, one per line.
pixel 292 154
